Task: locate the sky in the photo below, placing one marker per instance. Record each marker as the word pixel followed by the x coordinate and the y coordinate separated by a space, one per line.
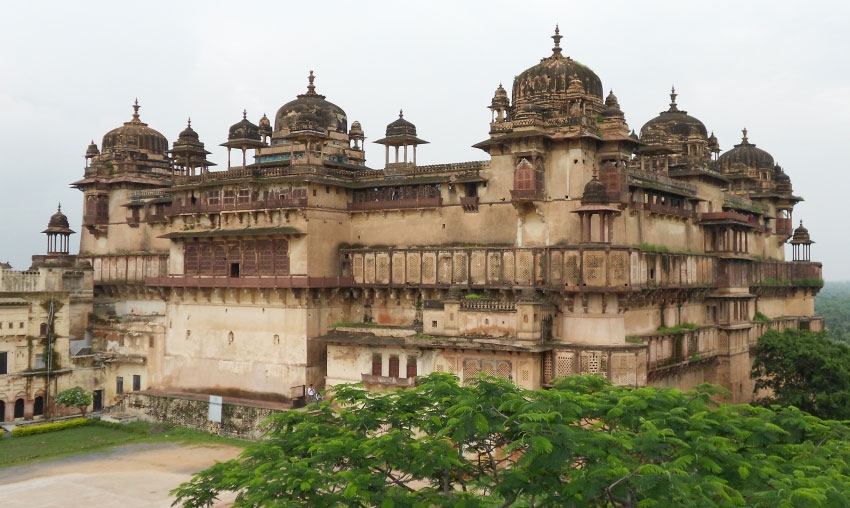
pixel 69 72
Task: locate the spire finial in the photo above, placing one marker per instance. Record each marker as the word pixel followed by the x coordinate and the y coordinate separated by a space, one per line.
pixel 595 173
pixel 673 96
pixel 244 114
pixel 744 140
pixel 556 50
pixel 401 113
pixel 59 209
pixel 311 88
pixel 136 109
pixel 189 123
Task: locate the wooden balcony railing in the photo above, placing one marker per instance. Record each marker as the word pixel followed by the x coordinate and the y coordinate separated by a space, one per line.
pixel 288 281
pixel 526 194
pixel 264 204
pixel 392 204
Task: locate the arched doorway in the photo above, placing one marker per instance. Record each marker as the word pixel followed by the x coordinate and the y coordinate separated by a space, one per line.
pixel 2 410
pixel 19 408
pixel 38 406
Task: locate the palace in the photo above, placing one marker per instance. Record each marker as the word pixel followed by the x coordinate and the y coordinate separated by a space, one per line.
pixel 576 246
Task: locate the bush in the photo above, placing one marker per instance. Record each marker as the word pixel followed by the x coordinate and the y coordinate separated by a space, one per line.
pixel 31 430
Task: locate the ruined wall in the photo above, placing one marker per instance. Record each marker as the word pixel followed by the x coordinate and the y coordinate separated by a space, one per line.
pixel 241 421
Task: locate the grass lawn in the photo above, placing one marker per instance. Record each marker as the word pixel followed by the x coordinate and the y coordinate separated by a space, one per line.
pixel 15 450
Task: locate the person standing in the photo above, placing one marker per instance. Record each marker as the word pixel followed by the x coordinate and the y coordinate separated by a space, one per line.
pixel 311 394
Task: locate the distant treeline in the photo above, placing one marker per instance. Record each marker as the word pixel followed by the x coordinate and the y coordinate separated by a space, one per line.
pixel 833 303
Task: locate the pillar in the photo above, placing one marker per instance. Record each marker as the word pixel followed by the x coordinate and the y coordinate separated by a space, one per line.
pixel 228 158
pixel 405 153
pixel 414 155
pixel 387 147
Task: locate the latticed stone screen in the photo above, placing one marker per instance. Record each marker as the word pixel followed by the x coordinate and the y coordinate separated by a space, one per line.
pixel 594 268
pixel 471 368
pixel 547 366
pixel 383 267
pixel 504 370
pixel 429 268
pixel 525 267
pixel 460 275
pixel 478 265
pixel 619 268
pixel 590 362
pixel 572 270
pixel 357 264
pixel 413 266
pixel 635 268
pixel 564 363
pixel 508 268
pixel 494 267
pixel 369 268
pixel 398 268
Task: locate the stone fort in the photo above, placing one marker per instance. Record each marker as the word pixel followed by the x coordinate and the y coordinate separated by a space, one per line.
pixel 576 245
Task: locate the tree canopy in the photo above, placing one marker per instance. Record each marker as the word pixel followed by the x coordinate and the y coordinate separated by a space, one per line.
pixel 582 443
pixel 74 397
pixel 833 303
pixel 803 369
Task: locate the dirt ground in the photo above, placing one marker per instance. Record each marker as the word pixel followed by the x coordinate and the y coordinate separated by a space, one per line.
pixel 130 476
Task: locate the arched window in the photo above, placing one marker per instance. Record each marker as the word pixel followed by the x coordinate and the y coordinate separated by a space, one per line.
pixel 38 406
pixel 19 408
pixel 42 330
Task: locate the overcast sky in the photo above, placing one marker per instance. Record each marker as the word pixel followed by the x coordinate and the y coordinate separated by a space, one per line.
pixel 69 72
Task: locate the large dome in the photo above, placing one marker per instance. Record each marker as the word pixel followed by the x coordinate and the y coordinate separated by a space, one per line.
pixel 746 154
pixel 135 135
pixel 672 123
pixel 330 116
pixel 551 77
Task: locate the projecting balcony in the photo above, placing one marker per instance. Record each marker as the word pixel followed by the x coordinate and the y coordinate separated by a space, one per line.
pixel 783 227
pixel 95 220
pixel 388 381
pixel 675 211
pixel 393 204
pixel 281 281
pixel 469 204
pixel 728 218
pixel 520 195
pixel 233 206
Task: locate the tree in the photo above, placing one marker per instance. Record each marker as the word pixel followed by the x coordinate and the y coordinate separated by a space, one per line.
pixel 803 369
pixel 75 397
pixel 583 443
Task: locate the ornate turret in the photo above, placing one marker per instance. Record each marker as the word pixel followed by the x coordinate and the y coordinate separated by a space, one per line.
pixel 243 135
pixel 356 135
pixel 401 133
pixel 265 128
pixel 188 152
pixel 499 105
pixel 801 244
pixel 58 234
pixel 595 201
pixel 91 152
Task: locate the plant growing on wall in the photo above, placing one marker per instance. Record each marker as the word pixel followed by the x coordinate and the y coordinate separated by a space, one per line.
pixel 75 397
pixel 582 443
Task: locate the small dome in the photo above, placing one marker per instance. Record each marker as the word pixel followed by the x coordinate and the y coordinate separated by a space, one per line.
pixel 550 79
pixel 356 130
pixel 135 134
pixel 58 223
pixel 92 150
pixel 595 193
pixel 401 127
pixel 801 235
pixel 330 116
pixel 265 126
pixel 612 106
pixel 500 99
pixel 244 129
pixel 188 134
pixel 747 155
pixel 634 135
pixel 672 123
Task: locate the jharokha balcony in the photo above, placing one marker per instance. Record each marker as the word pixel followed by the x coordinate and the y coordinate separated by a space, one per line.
pixel 257 282
pixel 264 204
pixel 526 194
pixel 392 204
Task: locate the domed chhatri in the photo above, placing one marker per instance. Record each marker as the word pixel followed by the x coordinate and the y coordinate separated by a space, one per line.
pixel 744 156
pixel 244 129
pixel 612 106
pixel 595 193
pixel 400 134
pixel 189 153
pixel 328 116
pixel 549 80
pixel 265 127
pixel 801 244
pixel 58 233
pixel 135 135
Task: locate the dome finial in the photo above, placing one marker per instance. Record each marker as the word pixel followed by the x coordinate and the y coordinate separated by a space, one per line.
pixel 744 140
pixel 673 96
pixel 189 122
pixel 401 113
pixel 311 88
pixel 136 110
pixel 244 114
pixel 556 50
pixel 59 209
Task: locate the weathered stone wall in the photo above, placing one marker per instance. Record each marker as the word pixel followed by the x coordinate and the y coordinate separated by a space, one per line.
pixel 242 421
